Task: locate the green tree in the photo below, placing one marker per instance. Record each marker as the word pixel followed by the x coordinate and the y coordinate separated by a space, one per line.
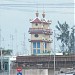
pixel 72 42
pixel 6 52
pixel 64 35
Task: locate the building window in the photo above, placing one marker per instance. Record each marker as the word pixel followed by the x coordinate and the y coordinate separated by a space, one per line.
pixel 45 45
pixel 36 35
pixel 36 47
pixel 34 44
pixel 36 24
pixel 38 51
pixel 34 51
pixel 38 44
pixel 45 51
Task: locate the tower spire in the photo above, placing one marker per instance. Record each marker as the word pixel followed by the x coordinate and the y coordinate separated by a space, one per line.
pixel 43 15
pixel 37 14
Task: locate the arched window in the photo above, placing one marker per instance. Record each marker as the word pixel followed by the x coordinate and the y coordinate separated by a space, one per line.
pixel 36 35
pixel 36 24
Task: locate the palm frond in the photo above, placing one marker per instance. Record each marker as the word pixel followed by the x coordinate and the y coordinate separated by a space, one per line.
pixel 60 25
pixel 57 27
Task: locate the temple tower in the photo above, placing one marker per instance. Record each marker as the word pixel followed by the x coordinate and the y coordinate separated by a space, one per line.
pixel 40 36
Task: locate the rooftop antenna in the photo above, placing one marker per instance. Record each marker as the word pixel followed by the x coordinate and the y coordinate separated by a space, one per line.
pixel 43 15
pixel 3 43
pixel 24 45
pixel 16 40
pixel 37 14
pixel 11 38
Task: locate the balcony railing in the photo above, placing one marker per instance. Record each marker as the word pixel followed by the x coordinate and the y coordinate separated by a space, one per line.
pixel 40 31
pixel 48 41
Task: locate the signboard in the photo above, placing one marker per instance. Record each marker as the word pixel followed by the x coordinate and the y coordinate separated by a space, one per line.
pixel 19 69
pixel 19 73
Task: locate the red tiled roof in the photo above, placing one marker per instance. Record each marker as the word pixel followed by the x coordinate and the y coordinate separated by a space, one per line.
pixel 45 22
pixel 39 21
pixel 36 21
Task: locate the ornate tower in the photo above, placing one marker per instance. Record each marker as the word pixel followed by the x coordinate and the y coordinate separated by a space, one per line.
pixel 40 36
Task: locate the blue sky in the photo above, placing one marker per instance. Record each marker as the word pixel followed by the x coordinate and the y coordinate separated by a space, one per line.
pixel 15 20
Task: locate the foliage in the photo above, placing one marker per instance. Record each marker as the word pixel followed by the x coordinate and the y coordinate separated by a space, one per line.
pixel 6 52
pixel 64 34
pixel 72 42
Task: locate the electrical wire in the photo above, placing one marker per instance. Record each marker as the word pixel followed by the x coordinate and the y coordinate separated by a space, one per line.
pixel 33 4
pixel 22 7
pixel 47 11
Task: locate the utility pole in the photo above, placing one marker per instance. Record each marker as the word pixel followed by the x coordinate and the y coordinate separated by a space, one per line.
pixel 16 41
pixel 12 42
pixel 1 51
pixel 54 52
pixel 24 45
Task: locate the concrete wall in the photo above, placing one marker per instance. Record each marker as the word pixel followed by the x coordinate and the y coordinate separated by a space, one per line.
pixel 31 72
pixel 51 72
pixel 36 72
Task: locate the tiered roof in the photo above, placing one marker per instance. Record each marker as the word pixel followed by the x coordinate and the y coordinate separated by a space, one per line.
pixel 37 20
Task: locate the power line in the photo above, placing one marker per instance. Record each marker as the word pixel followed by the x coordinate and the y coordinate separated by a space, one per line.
pixel 46 5
pixel 47 11
pixel 38 6
pixel 30 4
pixel 22 7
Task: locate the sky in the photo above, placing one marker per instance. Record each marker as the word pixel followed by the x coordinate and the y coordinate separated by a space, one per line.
pixel 15 18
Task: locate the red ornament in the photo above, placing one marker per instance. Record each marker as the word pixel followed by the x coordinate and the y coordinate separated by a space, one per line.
pixel 19 69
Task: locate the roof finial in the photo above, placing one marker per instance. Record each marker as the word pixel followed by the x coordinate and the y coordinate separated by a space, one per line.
pixel 37 14
pixel 43 15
